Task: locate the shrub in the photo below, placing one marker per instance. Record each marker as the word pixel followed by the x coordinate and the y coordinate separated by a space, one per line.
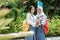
pixel 54 27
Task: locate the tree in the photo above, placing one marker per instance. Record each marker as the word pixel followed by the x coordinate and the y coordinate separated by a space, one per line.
pixel 51 7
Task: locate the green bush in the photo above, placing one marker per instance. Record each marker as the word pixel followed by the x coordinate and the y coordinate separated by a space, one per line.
pixel 14 12
pixel 54 27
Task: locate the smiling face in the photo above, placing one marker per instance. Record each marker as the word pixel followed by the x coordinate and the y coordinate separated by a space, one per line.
pixel 38 10
pixel 32 10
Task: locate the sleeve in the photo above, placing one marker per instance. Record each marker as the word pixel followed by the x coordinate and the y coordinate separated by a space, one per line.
pixel 29 20
pixel 44 19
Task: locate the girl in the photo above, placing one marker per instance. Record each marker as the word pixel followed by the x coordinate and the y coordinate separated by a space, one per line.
pixel 31 21
pixel 41 19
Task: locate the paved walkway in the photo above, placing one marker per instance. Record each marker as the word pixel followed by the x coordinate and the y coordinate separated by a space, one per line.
pixel 53 38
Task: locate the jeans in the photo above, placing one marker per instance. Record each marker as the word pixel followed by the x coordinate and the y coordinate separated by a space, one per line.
pixel 38 33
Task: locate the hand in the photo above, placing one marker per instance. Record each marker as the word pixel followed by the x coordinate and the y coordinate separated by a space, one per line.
pixel 37 22
pixel 40 18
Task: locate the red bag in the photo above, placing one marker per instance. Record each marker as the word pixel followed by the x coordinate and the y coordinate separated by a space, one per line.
pixel 45 27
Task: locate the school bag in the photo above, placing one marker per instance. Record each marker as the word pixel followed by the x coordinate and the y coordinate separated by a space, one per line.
pixel 45 27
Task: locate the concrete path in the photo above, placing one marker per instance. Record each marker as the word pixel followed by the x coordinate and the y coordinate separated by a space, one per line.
pixel 53 38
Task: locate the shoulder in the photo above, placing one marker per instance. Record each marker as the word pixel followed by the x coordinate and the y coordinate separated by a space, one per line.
pixel 44 16
pixel 28 14
pixel 37 16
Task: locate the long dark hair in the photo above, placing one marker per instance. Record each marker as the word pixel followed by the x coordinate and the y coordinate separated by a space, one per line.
pixel 30 8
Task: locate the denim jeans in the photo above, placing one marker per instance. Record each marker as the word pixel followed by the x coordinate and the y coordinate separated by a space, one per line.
pixel 38 33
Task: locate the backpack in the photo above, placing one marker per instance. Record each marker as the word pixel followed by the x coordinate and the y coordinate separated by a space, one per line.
pixel 25 26
pixel 45 27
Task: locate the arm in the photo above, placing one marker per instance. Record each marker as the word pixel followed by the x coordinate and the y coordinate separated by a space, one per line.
pixel 43 21
pixel 29 20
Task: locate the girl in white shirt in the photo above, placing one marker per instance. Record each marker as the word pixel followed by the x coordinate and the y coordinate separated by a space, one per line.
pixel 41 20
pixel 31 20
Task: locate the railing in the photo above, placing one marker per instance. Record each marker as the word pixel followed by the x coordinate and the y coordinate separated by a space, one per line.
pixel 15 35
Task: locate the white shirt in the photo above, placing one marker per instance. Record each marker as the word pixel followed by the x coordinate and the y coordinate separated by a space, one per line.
pixel 43 21
pixel 31 19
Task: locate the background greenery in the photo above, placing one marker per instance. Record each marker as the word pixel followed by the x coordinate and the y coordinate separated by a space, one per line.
pixel 17 10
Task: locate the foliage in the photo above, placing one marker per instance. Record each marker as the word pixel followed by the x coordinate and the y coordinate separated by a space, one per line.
pixel 54 25
pixel 15 12
pixel 51 7
pixel 3 21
